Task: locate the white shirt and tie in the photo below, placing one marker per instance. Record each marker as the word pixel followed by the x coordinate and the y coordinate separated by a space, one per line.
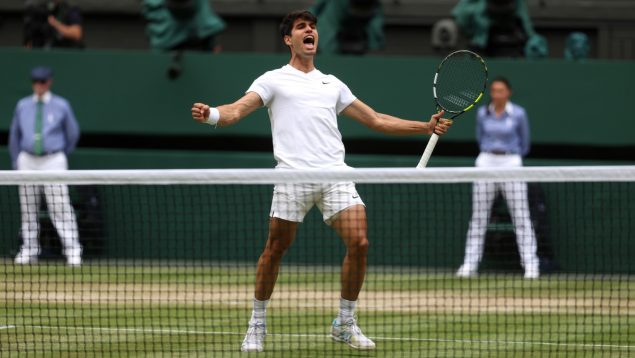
pixel 42 132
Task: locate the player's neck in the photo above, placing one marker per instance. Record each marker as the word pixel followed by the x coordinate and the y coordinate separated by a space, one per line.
pixel 302 64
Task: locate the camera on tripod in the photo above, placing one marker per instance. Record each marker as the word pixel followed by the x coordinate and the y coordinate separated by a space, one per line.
pixel 37 31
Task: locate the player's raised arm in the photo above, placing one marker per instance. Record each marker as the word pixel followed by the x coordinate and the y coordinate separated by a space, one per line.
pixel 388 124
pixel 228 114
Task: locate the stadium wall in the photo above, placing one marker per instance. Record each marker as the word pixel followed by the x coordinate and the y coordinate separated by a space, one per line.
pixel 128 93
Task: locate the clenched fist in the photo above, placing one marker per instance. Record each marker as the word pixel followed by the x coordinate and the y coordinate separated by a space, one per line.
pixel 200 112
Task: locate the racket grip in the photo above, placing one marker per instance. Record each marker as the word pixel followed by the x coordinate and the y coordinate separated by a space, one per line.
pixel 427 153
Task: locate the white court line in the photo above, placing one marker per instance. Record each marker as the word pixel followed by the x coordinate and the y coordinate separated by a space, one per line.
pixel 310 335
pixel 6 327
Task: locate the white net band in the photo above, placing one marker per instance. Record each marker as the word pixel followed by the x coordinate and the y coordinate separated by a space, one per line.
pixel 361 175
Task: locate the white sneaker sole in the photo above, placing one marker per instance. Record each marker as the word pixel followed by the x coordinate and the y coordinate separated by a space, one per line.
pixel 25 262
pixel 74 263
pixel 252 349
pixel 366 348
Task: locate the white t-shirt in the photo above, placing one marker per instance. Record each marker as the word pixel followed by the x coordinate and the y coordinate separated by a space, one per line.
pixel 303 109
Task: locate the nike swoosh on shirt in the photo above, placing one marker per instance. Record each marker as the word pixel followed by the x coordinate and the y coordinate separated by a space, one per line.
pixel 325 83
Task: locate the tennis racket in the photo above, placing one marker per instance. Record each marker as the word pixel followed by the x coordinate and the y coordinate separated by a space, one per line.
pixel 459 84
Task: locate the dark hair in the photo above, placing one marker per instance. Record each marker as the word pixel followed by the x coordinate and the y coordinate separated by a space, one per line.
pixel 289 19
pixel 504 81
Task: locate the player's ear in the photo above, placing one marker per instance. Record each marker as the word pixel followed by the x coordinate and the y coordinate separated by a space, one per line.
pixel 287 40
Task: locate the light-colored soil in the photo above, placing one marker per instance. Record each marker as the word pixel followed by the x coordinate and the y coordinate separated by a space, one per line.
pixel 288 297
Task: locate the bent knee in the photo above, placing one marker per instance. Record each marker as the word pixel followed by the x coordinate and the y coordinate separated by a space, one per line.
pixel 359 246
pixel 277 247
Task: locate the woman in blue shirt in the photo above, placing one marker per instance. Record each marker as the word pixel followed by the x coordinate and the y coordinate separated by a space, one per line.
pixel 502 131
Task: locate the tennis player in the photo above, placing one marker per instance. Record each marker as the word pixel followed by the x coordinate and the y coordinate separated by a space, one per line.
pixel 303 106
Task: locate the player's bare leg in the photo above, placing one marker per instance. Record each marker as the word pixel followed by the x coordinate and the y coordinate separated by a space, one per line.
pixel 281 236
pixel 351 226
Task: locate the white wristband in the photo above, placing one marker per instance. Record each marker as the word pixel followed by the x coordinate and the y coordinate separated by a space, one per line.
pixel 214 116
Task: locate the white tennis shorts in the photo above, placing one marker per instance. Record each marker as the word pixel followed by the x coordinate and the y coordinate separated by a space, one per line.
pixel 292 202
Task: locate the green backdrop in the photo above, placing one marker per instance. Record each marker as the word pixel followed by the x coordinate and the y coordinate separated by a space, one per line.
pixel 129 92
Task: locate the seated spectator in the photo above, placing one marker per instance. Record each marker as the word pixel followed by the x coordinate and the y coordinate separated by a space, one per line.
pixel 52 23
pixel 499 27
pixel 182 25
pixel 577 46
pixel 350 26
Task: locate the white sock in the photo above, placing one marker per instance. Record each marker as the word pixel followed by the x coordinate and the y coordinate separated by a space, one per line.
pixel 347 310
pixel 259 313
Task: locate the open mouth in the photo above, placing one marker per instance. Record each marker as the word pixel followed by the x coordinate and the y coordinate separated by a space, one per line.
pixel 309 41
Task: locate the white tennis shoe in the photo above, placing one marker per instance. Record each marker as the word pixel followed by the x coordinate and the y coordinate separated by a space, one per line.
pixel 350 333
pixel 532 273
pixel 255 338
pixel 27 256
pixel 466 272
pixel 73 257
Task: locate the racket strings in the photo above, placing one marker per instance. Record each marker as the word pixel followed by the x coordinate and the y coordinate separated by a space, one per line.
pixel 460 82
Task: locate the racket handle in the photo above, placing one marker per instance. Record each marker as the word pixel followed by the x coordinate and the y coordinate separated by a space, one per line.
pixel 427 153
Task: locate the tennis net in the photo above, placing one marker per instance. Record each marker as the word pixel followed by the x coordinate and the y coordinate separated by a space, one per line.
pixel 470 262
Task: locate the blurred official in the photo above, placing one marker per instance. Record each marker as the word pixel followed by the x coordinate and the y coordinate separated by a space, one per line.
pixel 502 131
pixel 43 132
